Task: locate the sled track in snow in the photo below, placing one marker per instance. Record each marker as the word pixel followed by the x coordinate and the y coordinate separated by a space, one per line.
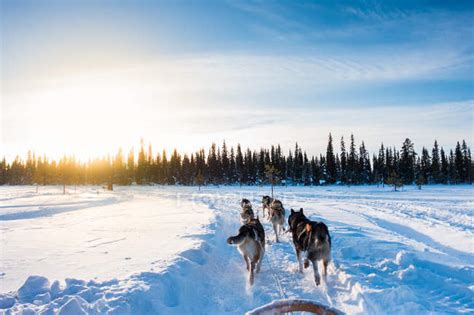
pixel 378 264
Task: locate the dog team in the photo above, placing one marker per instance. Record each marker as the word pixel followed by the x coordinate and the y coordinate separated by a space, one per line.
pixel 309 237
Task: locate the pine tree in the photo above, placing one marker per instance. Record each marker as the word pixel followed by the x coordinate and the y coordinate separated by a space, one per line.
pixel 140 174
pixel 352 163
pixel 395 180
pixel 239 165
pixel 459 164
pixel 407 162
pixel 466 157
pixel 452 169
pixel 306 170
pixel 298 165
pixel 212 164
pixel 331 175
pixel 225 164
pixel 261 166
pixel 232 173
pixel 435 164
pixel 444 173
pixel 289 168
pixel 382 165
pixel 425 166
pixel 185 175
pixel 3 172
pixel 364 165
pixel 316 171
pixel 343 162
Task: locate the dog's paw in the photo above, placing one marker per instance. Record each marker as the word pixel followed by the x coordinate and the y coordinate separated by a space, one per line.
pixel 306 263
pixel 317 280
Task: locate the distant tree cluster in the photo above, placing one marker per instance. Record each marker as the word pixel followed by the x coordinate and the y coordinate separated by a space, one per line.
pixel 223 165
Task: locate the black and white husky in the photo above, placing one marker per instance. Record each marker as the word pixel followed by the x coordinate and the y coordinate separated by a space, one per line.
pixel 251 244
pixel 314 239
pixel 247 212
pixel 276 214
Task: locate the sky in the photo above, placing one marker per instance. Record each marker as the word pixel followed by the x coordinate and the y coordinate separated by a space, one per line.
pixel 87 77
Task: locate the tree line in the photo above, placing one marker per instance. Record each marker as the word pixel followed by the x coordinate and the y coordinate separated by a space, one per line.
pixel 222 165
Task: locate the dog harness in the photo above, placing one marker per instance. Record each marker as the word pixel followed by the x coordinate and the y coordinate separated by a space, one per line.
pixel 306 242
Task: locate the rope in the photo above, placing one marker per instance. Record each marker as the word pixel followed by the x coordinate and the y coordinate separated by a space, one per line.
pixel 277 281
pixel 281 290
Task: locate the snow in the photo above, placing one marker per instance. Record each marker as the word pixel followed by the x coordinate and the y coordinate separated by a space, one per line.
pixel 155 249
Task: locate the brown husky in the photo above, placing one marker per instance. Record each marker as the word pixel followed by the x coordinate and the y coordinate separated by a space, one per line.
pixel 314 239
pixel 251 244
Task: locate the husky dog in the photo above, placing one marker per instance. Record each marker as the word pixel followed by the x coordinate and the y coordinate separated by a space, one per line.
pixel 245 203
pixel 269 204
pixel 276 214
pixel 277 217
pixel 247 213
pixel 251 244
pixel 314 239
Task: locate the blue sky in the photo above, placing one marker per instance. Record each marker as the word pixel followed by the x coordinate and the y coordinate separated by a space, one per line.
pixel 187 73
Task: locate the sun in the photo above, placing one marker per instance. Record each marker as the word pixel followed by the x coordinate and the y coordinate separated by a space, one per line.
pixel 85 115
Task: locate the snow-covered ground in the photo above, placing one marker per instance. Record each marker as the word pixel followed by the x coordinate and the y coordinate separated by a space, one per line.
pixel 163 250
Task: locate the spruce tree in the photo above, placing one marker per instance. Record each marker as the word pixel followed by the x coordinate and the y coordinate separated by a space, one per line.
pixel 232 173
pixel 239 166
pixel 141 165
pixel 343 162
pixel 225 164
pixel 331 175
pixel 316 171
pixel 352 163
pixel 459 164
pixel 444 173
pixel 425 166
pixel 407 162
pixel 466 157
pixel 435 164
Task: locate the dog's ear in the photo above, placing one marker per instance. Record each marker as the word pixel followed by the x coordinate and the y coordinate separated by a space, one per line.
pixel 301 210
pixel 308 228
pixel 292 211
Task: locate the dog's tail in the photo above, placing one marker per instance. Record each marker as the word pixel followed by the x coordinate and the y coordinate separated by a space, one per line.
pixel 235 240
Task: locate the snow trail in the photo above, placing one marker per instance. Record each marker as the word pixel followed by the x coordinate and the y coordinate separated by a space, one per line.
pixel 408 252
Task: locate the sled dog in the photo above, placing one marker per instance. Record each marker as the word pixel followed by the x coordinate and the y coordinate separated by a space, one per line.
pixel 245 203
pixel 269 204
pixel 276 214
pixel 247 213
pixel 314 239
pixel 251 244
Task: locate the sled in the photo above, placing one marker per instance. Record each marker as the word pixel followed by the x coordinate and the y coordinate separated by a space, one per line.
pixel 286 306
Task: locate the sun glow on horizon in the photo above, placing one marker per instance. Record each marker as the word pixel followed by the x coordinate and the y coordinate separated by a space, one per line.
pixel 88 116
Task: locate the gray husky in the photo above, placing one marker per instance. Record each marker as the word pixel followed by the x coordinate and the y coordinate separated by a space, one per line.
pixel 314 239
pixel 276 214
pixel 269 204
pixel 251 244
pixel 247 213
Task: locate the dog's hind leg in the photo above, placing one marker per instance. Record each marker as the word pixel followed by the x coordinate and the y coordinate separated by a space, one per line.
pixel 298 257
pixel 246 258
pixel 282 228
pixel 251 274
pixel 276 232
pixel 259 262
pixel 325 267
pixel 317 277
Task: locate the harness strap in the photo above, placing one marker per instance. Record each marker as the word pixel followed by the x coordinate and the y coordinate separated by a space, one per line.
pixel 308 239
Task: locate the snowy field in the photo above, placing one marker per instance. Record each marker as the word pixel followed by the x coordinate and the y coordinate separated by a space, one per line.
pixel 163 250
